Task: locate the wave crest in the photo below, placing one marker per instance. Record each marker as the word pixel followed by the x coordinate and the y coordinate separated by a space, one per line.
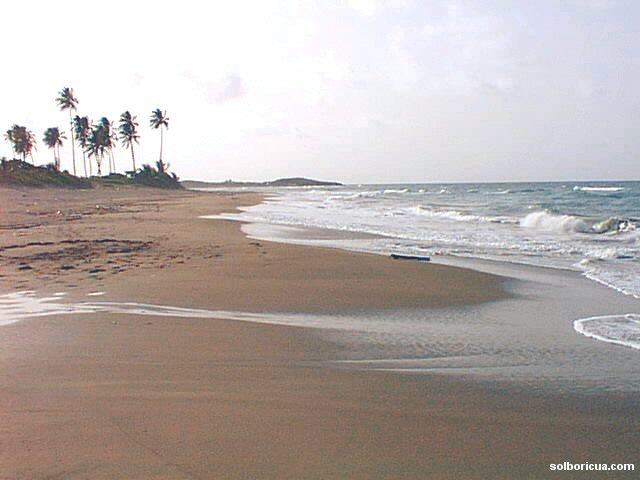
pixel 555 223
pixel 570 224
pixel 578 188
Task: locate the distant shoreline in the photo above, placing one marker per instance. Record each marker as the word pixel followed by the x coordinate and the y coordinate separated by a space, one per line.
pixel 280 182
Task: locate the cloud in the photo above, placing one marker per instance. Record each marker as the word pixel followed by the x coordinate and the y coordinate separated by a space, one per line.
pixel 596 4
pixel 499 84
pixel 372 8
pixel 231 88
pixel 454 53
pixel 368 8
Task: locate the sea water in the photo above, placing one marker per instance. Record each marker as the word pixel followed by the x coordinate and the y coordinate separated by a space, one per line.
pixel 558 332
pixel 591 228
pixel 518 339
pixel 588 227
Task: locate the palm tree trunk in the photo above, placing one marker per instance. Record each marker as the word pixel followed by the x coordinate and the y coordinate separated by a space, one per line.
pixel 113 160
pixel 73 143
pixel 84 162
pixel 133 158
pixel 160 143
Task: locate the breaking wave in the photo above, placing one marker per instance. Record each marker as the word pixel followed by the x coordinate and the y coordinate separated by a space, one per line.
pixel 578 188
pixel 587 228
pixel 570 224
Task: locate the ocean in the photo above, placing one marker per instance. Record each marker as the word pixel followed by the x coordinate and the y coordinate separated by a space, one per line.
pixel 570 252
pixel 591 228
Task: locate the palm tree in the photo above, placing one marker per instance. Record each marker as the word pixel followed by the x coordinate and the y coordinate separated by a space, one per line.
pixel 97 144
pixel 159 119
pixel 53 139
pixel 66 101
pixel 22 139
pixel 10 137
pixel 82 127
pixel 129 133
pixel 110 138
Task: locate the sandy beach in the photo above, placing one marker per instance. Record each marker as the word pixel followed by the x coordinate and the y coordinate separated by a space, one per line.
pixel 105 396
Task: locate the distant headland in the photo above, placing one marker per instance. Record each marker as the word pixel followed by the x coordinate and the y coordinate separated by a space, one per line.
pixel 280 182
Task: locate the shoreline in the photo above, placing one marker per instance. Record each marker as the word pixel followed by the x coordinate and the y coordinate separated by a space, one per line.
pixel 159 397
pixel 562 314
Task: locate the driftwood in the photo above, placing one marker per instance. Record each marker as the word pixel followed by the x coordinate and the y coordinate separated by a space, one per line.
pixel 416 258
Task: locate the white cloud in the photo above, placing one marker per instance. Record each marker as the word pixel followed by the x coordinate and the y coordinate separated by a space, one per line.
pixel 364 7
pixel 453 54
pixel 231 88
pixel 309 84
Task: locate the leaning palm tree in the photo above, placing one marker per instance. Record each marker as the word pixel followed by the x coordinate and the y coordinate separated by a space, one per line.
pixel 22 139
pixel 53 139
pixel 81 128
pixel 66 101
pixel 159 119
pixel 129 133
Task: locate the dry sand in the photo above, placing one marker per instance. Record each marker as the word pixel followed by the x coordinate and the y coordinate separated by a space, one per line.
pixel 82 397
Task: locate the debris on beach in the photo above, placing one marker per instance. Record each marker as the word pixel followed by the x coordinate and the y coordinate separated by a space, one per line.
pixel 416 258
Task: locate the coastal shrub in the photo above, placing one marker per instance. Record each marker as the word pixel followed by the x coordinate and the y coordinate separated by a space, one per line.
pixel 155 177
pixel 19 172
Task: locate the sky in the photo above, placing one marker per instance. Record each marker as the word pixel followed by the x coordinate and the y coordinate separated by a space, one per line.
pixel 358 91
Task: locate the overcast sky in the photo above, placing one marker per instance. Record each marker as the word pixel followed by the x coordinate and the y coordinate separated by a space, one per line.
pixel 357 91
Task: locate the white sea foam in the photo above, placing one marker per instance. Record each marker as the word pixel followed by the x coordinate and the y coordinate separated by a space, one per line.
pixel 555 223
pixel 544 224
pixel 19 306
pixel 613 225
pixel 617 329
pixel 598 189
pixel 448 214
pixel 571 224
pixel 393 190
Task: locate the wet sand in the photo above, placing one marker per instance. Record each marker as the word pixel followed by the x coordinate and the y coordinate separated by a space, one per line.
pixel 106 396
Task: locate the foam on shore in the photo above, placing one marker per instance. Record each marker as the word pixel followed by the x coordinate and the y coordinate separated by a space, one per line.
pixel 617 329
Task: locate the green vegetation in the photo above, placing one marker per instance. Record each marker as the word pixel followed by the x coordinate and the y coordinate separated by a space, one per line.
pixel 96 141
pixel 156 177
pixel 20 173
pixel 22 140
pixel 281 182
